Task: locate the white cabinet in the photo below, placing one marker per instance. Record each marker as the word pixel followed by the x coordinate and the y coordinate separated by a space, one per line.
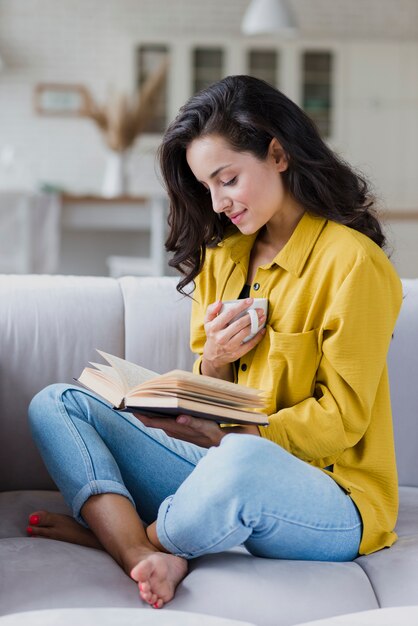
pixel 305 71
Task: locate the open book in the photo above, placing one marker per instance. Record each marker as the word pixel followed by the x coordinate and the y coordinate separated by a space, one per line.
pixel 130 387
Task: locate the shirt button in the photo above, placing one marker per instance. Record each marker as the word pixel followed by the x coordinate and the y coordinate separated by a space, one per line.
pixel 244 367
pixel 256 286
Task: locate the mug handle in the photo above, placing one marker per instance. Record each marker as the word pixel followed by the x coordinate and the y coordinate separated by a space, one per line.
pixel 254 321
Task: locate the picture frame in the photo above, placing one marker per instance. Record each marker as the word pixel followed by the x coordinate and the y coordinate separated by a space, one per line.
pixel 59 99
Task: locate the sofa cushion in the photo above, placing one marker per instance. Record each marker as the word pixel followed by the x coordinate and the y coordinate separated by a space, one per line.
pixel 16 506
pixel 403 616
pixel 403 368
pixel 50 327
pixel 40 573
pixel 163 347
pixel 111 616
pixel 392 572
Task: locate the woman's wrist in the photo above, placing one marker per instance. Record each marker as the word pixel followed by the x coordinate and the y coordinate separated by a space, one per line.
pixel 225 372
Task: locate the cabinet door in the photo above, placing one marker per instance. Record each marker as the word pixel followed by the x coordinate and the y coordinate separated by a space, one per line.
pixel 263 63
pixel 207 67
pixel 317 72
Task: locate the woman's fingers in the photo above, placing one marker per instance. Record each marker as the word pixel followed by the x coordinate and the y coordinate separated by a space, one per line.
pixel 213 311
pixel 198 424
pixel 221 318
pixel 251 343
pixel 227 332
pixel 201 432
pixel 237 331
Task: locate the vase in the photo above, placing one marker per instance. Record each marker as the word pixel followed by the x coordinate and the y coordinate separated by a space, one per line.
pixel 115 180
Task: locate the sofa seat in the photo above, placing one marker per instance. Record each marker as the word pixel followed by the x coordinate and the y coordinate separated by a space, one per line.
pixel 302 590
pixel 111 616
pixel 401 615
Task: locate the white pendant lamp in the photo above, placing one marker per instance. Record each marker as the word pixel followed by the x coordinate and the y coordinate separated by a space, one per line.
pixel 268 17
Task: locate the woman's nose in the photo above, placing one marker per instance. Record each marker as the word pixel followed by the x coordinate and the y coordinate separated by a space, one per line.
pixel 220 203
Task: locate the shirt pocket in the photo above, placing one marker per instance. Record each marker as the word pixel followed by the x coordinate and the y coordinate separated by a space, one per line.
pixel 293 360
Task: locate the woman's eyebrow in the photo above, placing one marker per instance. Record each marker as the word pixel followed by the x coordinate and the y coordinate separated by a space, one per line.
pixel 216 172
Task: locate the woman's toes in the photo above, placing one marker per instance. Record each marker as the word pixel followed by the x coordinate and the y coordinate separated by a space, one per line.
pixel 148 596
pixel 40 524
pixel 37 531
pixel 145 586
pixel 40 518
pixel 146 592
pixel 34 519
pixel 152 598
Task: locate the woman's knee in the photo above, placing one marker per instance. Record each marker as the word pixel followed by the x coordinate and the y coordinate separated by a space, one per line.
pixel 241 460
pixel 249 450
pixel 44 403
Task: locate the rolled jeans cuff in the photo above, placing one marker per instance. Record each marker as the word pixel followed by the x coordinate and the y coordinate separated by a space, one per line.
pixel 162 535
pixel 95 488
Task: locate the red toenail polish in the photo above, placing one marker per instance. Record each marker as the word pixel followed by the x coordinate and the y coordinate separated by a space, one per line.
pixel 155 605
pixel 34 520
pixel 29 530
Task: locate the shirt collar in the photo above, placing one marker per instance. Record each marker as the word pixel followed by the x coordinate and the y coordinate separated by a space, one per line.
pixel 293 256
pixel 239 245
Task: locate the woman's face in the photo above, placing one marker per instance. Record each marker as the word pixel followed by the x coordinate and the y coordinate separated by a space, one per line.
pixel 250 192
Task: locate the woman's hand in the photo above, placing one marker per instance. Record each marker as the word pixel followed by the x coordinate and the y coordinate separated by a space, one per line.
pixel 224 340
pixel 202 432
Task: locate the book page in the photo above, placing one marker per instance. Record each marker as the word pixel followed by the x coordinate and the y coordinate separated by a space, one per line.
pixel 139 394
pixel 214 387
pixel 130 374
pixel 109 372
pixel 100 383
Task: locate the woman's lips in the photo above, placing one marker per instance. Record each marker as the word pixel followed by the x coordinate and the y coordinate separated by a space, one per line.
pixel 236 217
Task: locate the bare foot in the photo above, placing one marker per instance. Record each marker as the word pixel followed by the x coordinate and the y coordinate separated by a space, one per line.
pixel 157 576
pixel 62 528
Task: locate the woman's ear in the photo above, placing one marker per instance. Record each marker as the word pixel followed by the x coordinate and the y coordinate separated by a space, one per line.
pixel 278 154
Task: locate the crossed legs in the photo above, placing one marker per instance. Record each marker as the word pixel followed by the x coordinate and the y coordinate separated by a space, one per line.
pixel 114 473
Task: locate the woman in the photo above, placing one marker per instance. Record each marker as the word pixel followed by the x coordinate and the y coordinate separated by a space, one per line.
pixel 259 207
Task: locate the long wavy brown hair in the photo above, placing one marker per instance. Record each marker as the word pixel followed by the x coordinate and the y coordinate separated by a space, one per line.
pixel 248 113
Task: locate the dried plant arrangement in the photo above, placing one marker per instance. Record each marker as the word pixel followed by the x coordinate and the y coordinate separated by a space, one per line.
pixel 123 118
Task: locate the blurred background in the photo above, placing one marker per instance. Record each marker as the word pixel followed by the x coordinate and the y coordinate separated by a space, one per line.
pixel 88 86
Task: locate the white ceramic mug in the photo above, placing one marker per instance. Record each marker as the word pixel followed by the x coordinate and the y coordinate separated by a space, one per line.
pixel 258 303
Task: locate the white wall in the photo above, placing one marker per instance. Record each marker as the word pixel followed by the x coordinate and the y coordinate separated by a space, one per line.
pixel 76 41
pixel 93 42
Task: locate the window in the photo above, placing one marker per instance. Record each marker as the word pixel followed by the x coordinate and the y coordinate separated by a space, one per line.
pixel 149 59
pixel 263 64
pixel 316 94
pixel 208 66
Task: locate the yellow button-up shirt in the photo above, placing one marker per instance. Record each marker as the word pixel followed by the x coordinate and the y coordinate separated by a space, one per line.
pixel 333 301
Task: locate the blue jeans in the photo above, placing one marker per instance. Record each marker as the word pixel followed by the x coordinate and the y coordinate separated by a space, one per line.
pixel 247 490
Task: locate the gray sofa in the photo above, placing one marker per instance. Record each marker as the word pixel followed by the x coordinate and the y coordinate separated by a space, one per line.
pixel 50 327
